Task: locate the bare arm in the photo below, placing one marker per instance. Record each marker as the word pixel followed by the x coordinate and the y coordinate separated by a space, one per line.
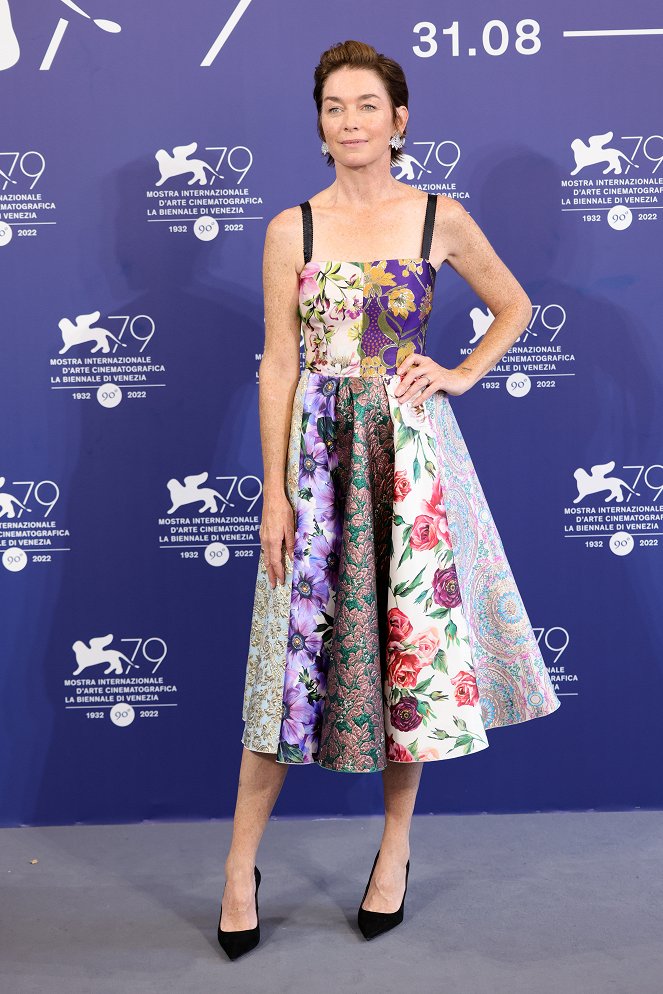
pixel 277 382
pixel 472 256
pixel 279 367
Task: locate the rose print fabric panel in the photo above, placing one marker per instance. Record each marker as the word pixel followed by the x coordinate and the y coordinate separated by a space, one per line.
pixel 432 706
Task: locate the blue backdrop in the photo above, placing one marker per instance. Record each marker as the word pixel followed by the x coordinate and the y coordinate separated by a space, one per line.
pixel 144 149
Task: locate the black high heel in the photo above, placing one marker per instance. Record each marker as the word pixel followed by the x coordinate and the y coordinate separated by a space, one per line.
pixel 372 923
pixel 238 941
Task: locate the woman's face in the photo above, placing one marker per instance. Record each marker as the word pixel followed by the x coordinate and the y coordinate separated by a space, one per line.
pixel 356 116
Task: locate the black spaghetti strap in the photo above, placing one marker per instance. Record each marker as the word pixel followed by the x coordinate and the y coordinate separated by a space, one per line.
pixel 429 224
pixel 307 223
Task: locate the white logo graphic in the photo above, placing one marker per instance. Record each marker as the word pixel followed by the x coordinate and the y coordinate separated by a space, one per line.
pixel 109 395
pixel 444 153
pixel 518 384
pixel 191 492
pixel 621 543
pixel 206 228
pixel 199 519
pixel 97 653
pixel 186 197
pixel 597 481
pixel 7 502
pixel 14 559
pixel 39 537
pixel 556 640
pixel 81 330
pixel 217 554
pixel 225 32
pixel 10 51
pixel 612 520
pixel 24 207
pixel 481 322
pixel 99 370
pixel 179 164
pixel 620 217
pixel 551 318
pixel 128 687
pixel 538 356
pixel 594 153
pixel 122 714
pixel 406 167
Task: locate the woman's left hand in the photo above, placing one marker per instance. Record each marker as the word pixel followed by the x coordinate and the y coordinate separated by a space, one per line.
pixel 421 377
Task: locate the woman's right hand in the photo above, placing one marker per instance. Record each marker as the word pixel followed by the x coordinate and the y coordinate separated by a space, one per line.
pixel 276 529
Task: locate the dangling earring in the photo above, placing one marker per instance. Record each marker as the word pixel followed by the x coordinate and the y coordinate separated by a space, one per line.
pixel 397 140
pixel 324 148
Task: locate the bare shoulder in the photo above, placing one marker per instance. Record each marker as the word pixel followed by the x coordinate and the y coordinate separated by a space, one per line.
pixel 457 228
pixel 285 228
pixel 447 211
pixel 446 206
pixel 283 241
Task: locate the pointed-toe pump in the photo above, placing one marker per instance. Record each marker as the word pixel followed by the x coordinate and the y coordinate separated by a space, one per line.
pixel 239 941
pixel 372 923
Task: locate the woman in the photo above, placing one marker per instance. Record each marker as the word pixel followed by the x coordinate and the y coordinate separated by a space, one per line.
pixel 387 628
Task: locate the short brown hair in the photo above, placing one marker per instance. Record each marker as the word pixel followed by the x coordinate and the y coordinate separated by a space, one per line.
pixel 359 55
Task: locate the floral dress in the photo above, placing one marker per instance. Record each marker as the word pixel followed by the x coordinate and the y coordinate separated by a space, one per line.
pixel 399 633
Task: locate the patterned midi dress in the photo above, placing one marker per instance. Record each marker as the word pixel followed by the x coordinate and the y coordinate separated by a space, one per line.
pixel 399 633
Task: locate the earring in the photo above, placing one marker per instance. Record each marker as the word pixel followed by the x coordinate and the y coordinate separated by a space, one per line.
pixel 397 140
pixel 324 148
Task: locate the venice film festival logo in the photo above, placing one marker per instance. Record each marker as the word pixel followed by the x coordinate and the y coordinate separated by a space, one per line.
pixel 186 195
pixel 10 48
pixel 91 363
pixel 31 539
pixel 614 192
pixel 123 683
pixel 198 519
pixel 536 353
pixel 602 508
pixel 445 154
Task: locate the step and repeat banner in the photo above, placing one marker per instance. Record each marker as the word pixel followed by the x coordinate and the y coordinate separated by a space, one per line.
pixel 143 149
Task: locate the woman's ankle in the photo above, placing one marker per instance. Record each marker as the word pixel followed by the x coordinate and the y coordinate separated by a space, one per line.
pixel 239 868
pixel 396 848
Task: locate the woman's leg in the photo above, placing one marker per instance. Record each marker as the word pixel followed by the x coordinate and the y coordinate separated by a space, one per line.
pixel 401 783
pixel 260 782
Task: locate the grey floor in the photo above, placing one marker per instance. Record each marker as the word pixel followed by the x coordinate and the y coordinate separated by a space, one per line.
pixel 496 904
